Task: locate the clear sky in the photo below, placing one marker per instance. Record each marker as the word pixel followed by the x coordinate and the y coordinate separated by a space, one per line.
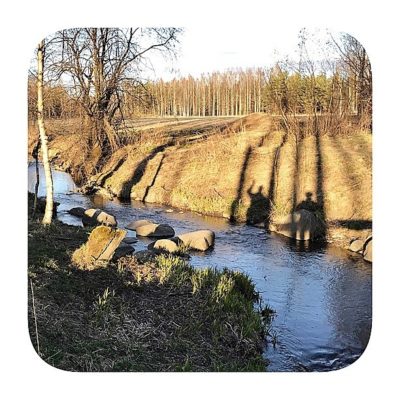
pixel 209 49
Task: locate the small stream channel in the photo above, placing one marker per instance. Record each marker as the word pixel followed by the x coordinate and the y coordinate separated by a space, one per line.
pixel 321 294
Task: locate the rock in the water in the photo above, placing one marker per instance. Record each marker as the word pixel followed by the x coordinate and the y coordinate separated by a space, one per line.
pixel 130 240
pixel 99 249
pixel 136 224
pixel 357 245
pixel 170 245
pixel 145 256
pixel 169 210
pixel 368 250
pixel 300 225
pixel 77 211
pixel 95 216
pixel 155 230
pixel 123 250
pixel 198 240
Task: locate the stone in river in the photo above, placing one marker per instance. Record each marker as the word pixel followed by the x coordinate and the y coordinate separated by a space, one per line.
pixel 136 224
pixel 155 230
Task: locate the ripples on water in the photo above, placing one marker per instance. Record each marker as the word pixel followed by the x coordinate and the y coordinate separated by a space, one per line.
pixel 321 295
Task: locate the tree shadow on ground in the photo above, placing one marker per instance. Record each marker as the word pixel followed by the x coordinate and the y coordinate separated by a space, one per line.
pixel 101 180
pixel 320 211
pixel 236 203
pixel 141 169
pixel 154 178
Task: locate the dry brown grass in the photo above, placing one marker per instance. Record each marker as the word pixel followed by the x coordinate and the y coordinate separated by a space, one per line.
pixel 250 157
pixel 238 168
pixel 348 183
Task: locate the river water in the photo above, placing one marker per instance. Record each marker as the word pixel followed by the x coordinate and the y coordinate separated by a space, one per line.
pixel 321 294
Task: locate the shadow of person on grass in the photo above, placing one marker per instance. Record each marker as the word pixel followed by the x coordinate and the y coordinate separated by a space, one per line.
pixel 308 204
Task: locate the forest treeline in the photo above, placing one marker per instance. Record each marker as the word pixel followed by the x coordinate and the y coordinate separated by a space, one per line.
pixel 340 88
pixel 235 92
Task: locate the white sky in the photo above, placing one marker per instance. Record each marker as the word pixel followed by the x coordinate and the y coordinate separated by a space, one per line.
pixel 211 49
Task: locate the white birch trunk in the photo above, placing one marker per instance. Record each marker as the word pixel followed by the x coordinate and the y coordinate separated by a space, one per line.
pixel 48 214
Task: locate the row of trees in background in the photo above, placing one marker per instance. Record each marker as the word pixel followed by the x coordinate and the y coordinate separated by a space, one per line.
pixel 331 94
pixel 341 88
pixel 234 92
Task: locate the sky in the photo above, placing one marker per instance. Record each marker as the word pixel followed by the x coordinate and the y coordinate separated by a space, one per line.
pixel 204 50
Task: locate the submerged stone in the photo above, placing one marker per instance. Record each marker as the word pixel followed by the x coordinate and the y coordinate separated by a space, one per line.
pixel 77 211
pixel 198 240
pixel 136 224
pixel 368 250
pixel 170 245
pixel 95 216
pixel 357 245
pixel 130 240
pixel 155 230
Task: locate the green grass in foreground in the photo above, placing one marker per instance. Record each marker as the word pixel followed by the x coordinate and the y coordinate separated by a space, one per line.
pixel 160 316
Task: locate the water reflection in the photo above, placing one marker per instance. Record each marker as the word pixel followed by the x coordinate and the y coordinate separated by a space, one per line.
pixel 62 182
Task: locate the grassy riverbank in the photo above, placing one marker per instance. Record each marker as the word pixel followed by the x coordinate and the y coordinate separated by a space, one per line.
pixel 159 316
pixel 246 169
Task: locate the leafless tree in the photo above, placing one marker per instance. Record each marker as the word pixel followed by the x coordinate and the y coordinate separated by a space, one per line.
pixel 48 214
pixel 357 66
pixel 94 63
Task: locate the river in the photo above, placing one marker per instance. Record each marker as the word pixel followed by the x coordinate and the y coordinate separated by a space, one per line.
pixel 321 294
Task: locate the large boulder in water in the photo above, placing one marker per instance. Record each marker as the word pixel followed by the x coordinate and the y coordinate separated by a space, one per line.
pixel 367 254
pixel 299 225
pixel 136 224
pixel 77 212
pixel 130 240
pixel 155 230
pixel 198 240
pixel 170 245
pixel 95 216
pixel 99 248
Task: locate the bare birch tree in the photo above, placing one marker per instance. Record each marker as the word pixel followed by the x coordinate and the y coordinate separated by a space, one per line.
pixel 48 214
